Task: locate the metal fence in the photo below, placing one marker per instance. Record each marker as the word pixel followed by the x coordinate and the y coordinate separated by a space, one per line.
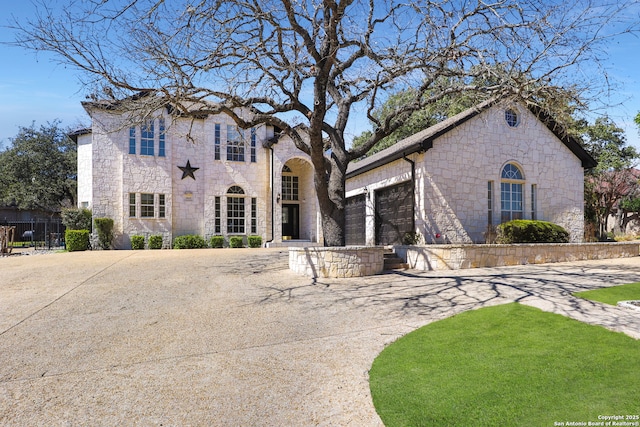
pixel 39 233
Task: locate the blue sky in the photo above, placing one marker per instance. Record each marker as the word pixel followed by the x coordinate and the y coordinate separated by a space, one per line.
pixel 35 89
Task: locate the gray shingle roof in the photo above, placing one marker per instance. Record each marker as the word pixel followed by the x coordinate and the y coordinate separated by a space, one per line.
pixel 423 140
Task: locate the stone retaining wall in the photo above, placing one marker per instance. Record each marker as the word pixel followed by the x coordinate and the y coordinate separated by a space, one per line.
pixel 454 257
pixel 350 261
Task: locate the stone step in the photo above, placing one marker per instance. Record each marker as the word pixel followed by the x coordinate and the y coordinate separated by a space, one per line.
pixel 394 262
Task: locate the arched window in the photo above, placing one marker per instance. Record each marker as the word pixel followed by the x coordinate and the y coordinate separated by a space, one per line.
pixel 511 199
pixel 235 210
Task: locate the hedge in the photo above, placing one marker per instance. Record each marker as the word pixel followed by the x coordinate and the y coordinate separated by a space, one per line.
pixel 531 231
pixel 189 241
pixel 216 241
pixel 236 241
pixel 155 241
pixel 76 218
pixel 105 231
pixel 76 240
pixel 254 241
pixel 137 242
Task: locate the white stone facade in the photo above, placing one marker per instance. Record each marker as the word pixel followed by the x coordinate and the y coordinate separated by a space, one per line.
pixel 147 193
pixel 451 171
pixel 452 178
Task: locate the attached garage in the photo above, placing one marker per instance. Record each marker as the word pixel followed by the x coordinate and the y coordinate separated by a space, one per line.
pixel 457 168
pixel 394 213
pixel 355 212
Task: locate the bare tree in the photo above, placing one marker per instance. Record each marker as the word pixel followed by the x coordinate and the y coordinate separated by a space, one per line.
pixel 305 66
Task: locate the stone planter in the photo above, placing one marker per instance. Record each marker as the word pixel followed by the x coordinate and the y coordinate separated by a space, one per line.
pixel 337 262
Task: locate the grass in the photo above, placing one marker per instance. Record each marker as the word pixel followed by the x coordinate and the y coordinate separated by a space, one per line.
pixel 506 365
pixel 612 295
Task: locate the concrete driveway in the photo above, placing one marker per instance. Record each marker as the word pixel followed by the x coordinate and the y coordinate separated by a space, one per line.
pixel 233 338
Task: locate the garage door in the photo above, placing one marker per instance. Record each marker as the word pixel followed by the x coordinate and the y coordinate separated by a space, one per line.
pixel 394 213
pixel 355 220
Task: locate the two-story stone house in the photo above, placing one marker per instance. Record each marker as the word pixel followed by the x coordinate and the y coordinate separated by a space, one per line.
pixel 172 176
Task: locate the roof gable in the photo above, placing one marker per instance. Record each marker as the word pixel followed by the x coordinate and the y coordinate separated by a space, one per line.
pixel 423 140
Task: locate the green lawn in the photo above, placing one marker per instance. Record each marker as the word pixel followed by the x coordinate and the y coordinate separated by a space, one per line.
pixel 613 295
pixel 509 365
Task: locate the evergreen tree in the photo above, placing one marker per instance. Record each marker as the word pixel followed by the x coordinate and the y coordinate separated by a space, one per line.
pixel 38 169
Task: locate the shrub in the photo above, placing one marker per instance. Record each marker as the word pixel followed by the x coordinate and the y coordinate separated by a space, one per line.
pixel 155 241
pixel 137 242
pixel 216 241
pixel 189 241
pixel 76 240
pixel 530 231
pixel 76 219
pixel 411 238
pixel 105 231
pixel 254 241
pixel 235 241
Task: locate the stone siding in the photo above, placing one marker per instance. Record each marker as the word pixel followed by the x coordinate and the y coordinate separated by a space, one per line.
pixel 455 257
pixel 108 174
pixel 451 178
pixel 337 262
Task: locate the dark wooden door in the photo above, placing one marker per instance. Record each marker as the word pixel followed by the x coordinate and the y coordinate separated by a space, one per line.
pixel 355 220
pixel 291 221
pixel 394 213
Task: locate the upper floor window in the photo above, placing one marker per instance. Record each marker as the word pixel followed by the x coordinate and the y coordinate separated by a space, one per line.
pixel 161 140
pixel 216 143
pixel 132 140
pixel 147 136
pixel 511 117
pixel 253 145
pixel 235 144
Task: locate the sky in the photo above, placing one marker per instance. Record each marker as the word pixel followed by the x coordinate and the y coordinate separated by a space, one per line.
pixel 35 89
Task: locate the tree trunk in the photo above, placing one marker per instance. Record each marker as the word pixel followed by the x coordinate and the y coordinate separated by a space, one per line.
pixel 329 180
pixel 619 223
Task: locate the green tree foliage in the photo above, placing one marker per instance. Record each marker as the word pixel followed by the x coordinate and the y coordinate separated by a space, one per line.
pixel 613 180
pixel 556 101
pixel 38 169
pixel 76 218
pixel 305 67
pixel 419 120
pixel 606 143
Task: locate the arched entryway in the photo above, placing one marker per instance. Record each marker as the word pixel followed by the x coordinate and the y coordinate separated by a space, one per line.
pixel 298 206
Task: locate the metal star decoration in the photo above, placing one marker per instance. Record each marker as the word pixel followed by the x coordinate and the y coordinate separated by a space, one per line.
pixel 188 170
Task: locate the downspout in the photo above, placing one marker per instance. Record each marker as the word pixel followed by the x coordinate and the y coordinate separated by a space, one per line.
pixel 271 182
pixel 413 192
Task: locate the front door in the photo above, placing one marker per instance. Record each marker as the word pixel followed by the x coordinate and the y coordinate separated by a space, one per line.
pixel 290 222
